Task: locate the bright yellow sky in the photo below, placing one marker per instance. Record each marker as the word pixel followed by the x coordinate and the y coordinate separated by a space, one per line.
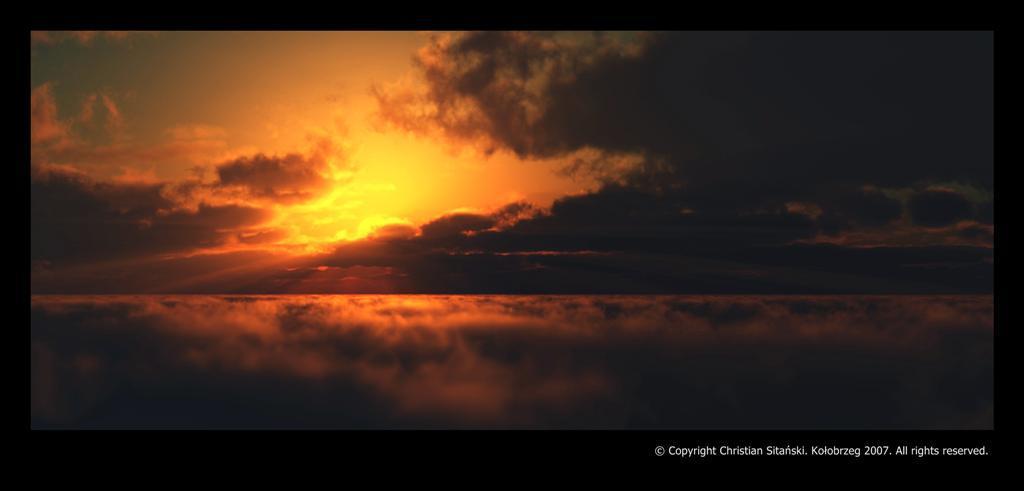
pixel 158 106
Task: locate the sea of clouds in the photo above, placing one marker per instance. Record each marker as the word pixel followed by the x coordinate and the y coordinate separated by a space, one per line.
pixel 424 361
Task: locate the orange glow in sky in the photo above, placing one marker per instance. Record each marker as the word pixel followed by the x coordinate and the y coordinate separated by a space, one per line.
pixel 172 107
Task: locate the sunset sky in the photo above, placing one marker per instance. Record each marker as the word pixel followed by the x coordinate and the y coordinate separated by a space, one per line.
pixel 594 230
pixel 317 162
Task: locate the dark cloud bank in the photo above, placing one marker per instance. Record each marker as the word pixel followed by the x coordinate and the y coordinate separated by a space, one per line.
pixel 842 162
pixel 769 163
pixel 691 362
pixel 756 148
pixel 77 219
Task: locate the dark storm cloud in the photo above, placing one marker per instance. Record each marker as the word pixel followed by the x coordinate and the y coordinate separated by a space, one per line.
pixel 888 107
pixel 456 224
pixel 616 218
pixel 75 218
pixel 865 207
pixel 624 240
pixel 450 227
pixel 749 144
pixel 985 213
pixel 759 118
pixel 780 270
pixel 289 178
pixel 938 207
pixel 976 231
pixel 699 362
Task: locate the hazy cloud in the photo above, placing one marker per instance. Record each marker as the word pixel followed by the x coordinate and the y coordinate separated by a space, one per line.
pixel 46 126
pixel 499 362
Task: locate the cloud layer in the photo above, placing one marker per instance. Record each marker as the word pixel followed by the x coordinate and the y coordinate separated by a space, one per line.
pixel 688 362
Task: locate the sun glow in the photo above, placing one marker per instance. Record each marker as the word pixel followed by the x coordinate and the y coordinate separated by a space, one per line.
pixel 393 179
pixel 312 106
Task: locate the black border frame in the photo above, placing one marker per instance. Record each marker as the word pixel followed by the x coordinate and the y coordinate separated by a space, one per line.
pixel 509 449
